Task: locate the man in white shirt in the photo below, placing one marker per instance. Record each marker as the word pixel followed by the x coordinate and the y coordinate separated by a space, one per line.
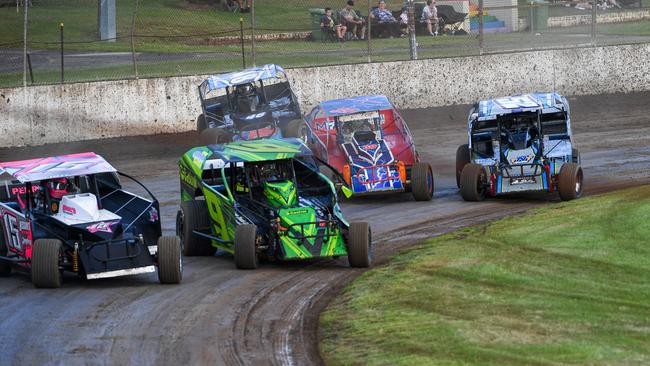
pixel 430 17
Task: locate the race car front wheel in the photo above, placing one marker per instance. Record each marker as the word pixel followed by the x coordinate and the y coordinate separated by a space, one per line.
pixel 296 128
pixel 5 267
pixel 473 182
pixel 246 246
pixel 360 245
pixel 422 181
pixel 46 259
pixel 170 261
pixel 570 181
pixel 462 159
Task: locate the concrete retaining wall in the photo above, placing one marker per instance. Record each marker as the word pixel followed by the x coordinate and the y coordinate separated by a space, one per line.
pixel 602 18
pixel 45 114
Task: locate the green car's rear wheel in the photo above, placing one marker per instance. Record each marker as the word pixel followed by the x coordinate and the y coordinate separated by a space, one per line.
pixel 360 245
pixel 194 216
pixel 246 246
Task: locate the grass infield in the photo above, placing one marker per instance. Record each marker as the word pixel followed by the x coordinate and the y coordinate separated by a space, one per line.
pixel 565 284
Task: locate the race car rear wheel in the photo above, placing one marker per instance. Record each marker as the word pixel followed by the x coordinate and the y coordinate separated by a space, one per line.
pixel 246 246
pixel 296 128
pixel 360 245
pixel 194 216
pixel 5 267
pixel 211 136
pixel 473 182
pixel 570 181
pixel 170 261
pixel 46 260
pixel 422 181
pixel 200 123
pixel 462 159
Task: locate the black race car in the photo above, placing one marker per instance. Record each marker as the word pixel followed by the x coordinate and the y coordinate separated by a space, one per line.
pixel 70 213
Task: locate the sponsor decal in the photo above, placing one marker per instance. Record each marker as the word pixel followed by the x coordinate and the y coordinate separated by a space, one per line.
pixel 522 159
pixel 153 215
pixel 297 212
pixel 22 190
pixel 104 227
pixel 69 210
pixel 369 147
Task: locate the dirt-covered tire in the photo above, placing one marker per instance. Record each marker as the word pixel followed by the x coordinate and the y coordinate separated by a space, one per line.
pixel 296 128
pixel 422 181
pixel 462 159
pixel 5 267
pixel 211 136
pixel 360 245
pixel 570 181
pixel 170 261
pixel 575 153
pixel 192 216
pixel 46 257
pixel 245 246
pixel 472 182
pixel 201 125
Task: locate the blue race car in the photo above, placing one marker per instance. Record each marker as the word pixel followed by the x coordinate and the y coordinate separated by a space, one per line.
pixel 248 105
pixel 521 143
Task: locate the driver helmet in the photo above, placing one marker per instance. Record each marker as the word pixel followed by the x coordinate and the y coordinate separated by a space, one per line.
pixel 245 89
pixel 58 188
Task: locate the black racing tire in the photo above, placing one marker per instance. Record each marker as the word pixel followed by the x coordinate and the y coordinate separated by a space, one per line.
pixel 211 136
pixel 194 216
pixel 422 181
pixel 360 245
pixel 246 246
pixel 575 153
pixel 5 267
pixel 170 260
pixel 570 182
pixel 46 258
pixel 201 125
pixel 472 182
pixel 296 128
pixel 462 159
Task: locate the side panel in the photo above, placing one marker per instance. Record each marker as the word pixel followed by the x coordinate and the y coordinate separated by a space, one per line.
pixel 17 232
pixel 222 215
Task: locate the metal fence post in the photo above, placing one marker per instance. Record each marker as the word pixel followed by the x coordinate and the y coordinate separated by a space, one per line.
pixel 593 22
pixel 133 56
pixel 480 27
pixel 368 37
pixel 241 37
pixel 253 55
pixel 530 18
pixel 413 43
pixel 25 21
pixel 62 66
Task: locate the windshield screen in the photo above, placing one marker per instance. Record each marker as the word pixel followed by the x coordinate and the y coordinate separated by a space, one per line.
pixel 270 171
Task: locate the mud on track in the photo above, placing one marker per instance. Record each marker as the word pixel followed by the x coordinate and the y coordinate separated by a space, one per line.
pixel 220 315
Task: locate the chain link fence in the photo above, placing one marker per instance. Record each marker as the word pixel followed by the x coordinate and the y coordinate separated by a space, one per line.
pixel 60 41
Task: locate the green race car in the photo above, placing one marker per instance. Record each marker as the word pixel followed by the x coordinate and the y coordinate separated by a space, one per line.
pixel 264 199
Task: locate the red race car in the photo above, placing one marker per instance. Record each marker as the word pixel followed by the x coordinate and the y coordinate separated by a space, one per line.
pixel 365 140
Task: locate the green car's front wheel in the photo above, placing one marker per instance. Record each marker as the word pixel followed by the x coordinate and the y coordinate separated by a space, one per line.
pixel 194 216
pixel 360 245
pixel 246 246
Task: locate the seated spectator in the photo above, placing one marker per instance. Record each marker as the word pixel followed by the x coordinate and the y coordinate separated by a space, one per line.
pixel 430 17
pixel 386 19
pixel 327 24
pixel 246 9
pixel 352 21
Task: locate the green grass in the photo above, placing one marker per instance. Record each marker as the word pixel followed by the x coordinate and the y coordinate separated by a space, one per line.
pixel 565 284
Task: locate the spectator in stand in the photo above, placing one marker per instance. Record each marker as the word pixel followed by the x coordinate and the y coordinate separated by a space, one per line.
pixel 430 17
pixel 386 19
pixel 404 20
pixel 327 24
pixel 246 9
pixel 352 21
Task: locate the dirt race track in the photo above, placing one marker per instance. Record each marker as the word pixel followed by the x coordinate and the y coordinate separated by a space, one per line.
pixel 220 315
